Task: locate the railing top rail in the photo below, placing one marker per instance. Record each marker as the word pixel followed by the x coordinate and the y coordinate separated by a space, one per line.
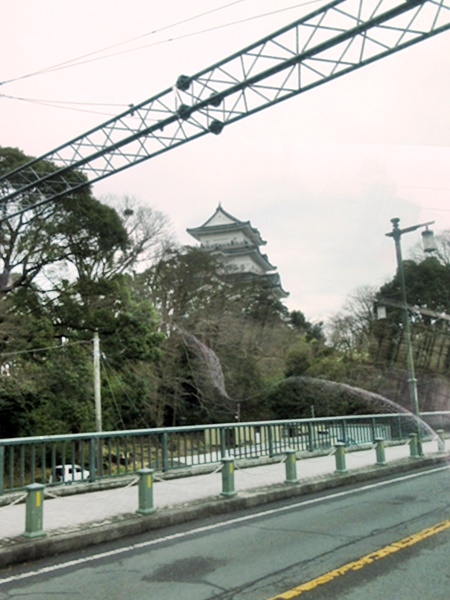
pixel 196 428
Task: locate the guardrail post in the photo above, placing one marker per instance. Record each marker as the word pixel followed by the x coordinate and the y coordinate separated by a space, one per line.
pixel 379 448
pixel 441 443
pixel 33 463
pixel 145 491
pixel 34 511
pixel 92 459
pixel 340 457
pixel 310 437
pixel 165 456
pixel 291 466
pixel 270 439
pixel 2 469
pixel 228 476
pixel 413 445
pixel 344 431
pixel 223 442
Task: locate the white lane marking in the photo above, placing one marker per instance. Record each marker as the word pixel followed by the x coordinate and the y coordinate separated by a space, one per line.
pixel 206 528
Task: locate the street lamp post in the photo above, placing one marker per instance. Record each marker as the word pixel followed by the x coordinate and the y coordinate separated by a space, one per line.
pixel 429 246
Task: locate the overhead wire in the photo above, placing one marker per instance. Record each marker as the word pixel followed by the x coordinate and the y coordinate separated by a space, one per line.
pixel 69 63
pixel 43 349
pixel 111 389
pixel 65 101
pixel 79 60
pixel 61 105
pixel 131 402
pixel 181 37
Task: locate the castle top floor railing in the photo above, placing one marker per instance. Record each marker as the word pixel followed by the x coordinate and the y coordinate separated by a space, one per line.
pixel 65 459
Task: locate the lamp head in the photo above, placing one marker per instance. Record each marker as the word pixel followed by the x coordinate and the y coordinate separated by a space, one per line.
pixel 429 243
pixel 381 311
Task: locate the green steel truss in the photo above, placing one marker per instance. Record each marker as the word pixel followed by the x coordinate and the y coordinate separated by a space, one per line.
pixel 334 40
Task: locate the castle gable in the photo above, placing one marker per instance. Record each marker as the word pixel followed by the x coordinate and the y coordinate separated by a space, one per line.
pixel 221 217
pixel 223 228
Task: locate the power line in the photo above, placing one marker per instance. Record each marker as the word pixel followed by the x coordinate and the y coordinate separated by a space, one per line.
pixel 111 389
pixel 65 101
pixel 396 184
pixel 61 104
pixel 131 402
pixel 189 35
pixel 202 31
pixel 69 63
pixel 80 60
pixel 43 349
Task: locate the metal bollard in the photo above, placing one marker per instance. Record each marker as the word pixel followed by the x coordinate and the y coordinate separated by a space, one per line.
pixel 441 440
pixel 291 466
pixel 145 491
pixel 34 511
pixel 379 448
pixel 340 458
pixel 2 468
pixel 413 445
pixel 228 476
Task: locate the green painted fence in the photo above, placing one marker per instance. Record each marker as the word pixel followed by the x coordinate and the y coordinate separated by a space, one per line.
pixel 65 459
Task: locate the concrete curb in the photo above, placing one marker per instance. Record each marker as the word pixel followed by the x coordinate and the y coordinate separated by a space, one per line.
pixel 20 549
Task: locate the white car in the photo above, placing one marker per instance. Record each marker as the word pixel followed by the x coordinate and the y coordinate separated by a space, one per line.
pixel 68 474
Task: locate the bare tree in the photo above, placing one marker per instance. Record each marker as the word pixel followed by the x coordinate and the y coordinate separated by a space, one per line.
pixel 350 328
pixel 149 234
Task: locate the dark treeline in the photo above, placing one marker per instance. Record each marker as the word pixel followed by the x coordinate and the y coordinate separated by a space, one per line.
pixel 179 343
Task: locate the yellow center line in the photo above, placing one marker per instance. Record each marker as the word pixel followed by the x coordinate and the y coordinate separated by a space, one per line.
pixel 363 561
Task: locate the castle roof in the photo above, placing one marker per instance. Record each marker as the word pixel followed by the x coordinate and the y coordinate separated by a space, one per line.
pixel 272 278
pixel 222 222
pixel 260 259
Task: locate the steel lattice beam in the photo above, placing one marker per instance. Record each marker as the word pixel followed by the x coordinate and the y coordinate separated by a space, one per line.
pixel 334 40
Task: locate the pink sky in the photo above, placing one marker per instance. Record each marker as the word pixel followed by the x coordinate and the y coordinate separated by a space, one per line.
pixel 320 175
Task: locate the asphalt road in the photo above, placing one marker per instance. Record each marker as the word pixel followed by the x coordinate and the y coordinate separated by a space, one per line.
pixel 388 539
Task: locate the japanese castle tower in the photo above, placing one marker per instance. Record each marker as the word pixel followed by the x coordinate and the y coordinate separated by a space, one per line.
pixel 237 244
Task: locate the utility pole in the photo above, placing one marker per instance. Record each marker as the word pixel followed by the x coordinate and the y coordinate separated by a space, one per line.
pixel 97 388
pixel 429 246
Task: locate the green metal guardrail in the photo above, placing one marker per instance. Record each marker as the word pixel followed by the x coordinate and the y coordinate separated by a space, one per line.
pixel 54 460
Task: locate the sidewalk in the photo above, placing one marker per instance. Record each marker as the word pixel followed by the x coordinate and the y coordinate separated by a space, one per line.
pixel 79 520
